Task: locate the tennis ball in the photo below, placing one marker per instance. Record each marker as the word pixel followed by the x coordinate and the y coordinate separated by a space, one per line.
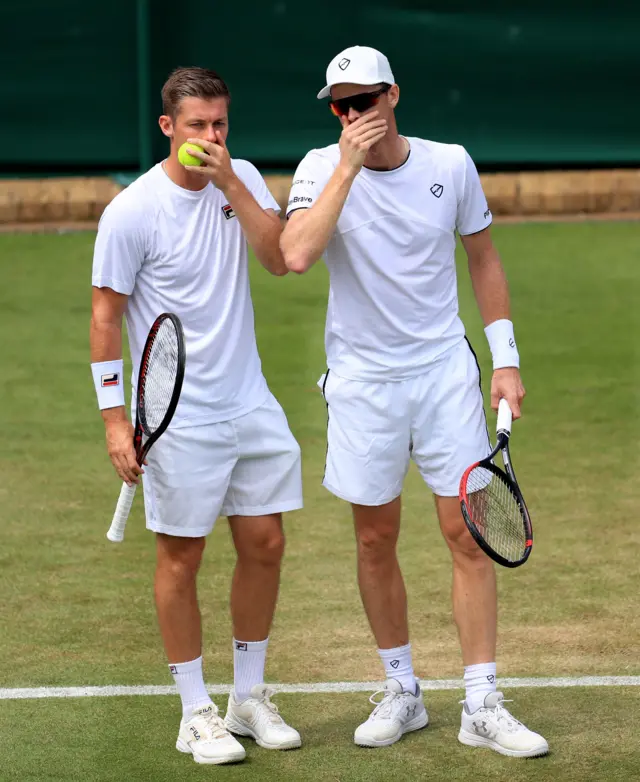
pixel 185 158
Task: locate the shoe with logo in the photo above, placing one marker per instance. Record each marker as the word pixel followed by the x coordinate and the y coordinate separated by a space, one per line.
pixel 395 714
pixel 492 726
pixel 258 718
pixel 205 737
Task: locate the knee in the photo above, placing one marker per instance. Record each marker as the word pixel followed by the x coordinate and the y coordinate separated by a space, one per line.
pixel 377 543
pixel 180 561
pixel 463 547
pixel 265 548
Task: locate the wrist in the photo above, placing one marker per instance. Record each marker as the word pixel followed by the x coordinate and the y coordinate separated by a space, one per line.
pixel 346 171
pixel 502 344
pixel 231 186
pixel 108 383
pixel 114 415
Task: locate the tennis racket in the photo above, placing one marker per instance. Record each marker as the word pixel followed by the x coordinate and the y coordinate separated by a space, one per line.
pixel 159 385
pixel 492 504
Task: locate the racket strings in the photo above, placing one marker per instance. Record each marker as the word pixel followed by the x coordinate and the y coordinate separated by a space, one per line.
pixel 496 513
pixel 161 370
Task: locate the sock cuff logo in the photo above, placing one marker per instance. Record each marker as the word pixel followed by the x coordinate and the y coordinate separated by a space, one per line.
pixel 394 664
pixel 241 647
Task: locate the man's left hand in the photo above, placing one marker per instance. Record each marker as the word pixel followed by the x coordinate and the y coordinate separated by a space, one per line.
pixel 216 161
pixel 506 383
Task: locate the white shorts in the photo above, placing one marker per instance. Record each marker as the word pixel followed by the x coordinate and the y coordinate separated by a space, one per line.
pixel 437 419
pixel 249 466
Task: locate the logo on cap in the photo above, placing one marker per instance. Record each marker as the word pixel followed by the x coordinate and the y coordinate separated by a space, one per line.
pixel 344 63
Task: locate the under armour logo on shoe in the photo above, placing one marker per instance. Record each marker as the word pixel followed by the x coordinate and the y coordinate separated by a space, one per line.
pixel 483 729
pixel 491 678
pixel 394 664
pixel 411 710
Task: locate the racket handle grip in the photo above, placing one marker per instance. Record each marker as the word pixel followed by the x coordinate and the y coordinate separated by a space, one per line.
pixel 123 508
pixel 505 417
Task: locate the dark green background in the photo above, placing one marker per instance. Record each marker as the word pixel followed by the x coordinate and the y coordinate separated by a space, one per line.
pixel 544 84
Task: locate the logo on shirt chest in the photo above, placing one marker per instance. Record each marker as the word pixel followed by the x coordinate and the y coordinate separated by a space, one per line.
pixel 227 211
pixel 437 190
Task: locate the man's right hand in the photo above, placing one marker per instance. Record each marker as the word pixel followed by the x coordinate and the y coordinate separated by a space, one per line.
pixel 358 137
pixel 119 433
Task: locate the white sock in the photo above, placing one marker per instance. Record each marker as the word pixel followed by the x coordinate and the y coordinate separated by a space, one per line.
pixel 397 665
pixel 248 666
pixel 479 681
pixel 190 683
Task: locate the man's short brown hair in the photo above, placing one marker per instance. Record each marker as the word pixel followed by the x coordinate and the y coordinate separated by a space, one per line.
pixel 191 83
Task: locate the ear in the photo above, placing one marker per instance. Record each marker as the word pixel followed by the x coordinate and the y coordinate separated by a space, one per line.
pixel 166 125
pixel 394 96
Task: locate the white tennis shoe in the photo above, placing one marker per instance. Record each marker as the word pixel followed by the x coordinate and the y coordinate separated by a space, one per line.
pixel 395 714
pixel 492 726
pixel 258 718
pixel 205 737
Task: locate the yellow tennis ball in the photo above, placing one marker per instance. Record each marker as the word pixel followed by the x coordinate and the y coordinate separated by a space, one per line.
pixel 189 160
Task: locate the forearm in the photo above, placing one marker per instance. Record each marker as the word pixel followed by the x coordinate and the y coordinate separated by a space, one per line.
pixel 105 338
pixel 490 287
pixel 261 230
pixel 305 239
pixel 492 294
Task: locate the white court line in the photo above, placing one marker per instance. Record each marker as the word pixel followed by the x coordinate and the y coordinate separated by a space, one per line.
pixel 16 693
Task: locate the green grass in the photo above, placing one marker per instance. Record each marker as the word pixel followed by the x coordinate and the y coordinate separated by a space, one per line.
pixel 77 610
pixel 115 739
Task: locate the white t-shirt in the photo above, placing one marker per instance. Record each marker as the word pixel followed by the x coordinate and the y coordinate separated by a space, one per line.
pixel 393 300
pixel 182 251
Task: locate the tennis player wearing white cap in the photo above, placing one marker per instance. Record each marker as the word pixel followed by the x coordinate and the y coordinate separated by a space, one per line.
pixel 402 381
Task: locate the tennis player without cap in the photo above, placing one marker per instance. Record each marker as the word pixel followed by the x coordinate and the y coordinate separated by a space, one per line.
pixel 402 380
pixel 176 240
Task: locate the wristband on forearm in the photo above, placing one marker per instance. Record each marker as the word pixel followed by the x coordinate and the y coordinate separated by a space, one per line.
pixel 502 344
pixel 107 379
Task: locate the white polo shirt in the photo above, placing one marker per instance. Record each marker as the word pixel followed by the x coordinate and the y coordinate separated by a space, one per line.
pixel 393 302
pixel 175 250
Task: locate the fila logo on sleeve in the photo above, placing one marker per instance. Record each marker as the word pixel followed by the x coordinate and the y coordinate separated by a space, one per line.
pixel 113 379
pixel 228 212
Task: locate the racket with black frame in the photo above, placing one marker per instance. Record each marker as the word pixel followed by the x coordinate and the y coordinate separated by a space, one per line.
pixel 492 504
pixel 159 386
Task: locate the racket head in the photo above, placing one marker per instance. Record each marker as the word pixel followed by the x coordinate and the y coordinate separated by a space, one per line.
pixel 159 380
pixel 495 514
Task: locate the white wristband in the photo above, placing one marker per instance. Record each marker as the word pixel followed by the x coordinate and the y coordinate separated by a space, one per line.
pixel 502 344
pixel 107 379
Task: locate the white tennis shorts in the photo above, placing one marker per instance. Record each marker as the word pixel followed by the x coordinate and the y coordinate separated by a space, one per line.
pixel 437 419
pixel 249 466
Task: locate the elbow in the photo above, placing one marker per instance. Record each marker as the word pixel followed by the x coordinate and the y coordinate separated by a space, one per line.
pixel 280 270
pixel 296 262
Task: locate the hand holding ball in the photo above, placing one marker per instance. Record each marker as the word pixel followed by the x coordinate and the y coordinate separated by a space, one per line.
pixel 189 160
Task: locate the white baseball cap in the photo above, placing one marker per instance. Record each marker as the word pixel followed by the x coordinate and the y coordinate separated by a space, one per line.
pixel 357 65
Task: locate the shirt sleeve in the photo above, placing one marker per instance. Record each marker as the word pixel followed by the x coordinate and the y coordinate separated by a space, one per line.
pixel 256 185
pixel 119 249
pixel 473 211
pixel 309 181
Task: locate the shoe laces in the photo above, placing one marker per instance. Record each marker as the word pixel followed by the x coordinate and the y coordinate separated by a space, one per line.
pixel 505 718
pixel 387 704
pixel 269 709
pixel 215 724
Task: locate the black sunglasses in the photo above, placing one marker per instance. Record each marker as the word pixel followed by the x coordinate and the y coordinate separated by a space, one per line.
pixel 360 102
